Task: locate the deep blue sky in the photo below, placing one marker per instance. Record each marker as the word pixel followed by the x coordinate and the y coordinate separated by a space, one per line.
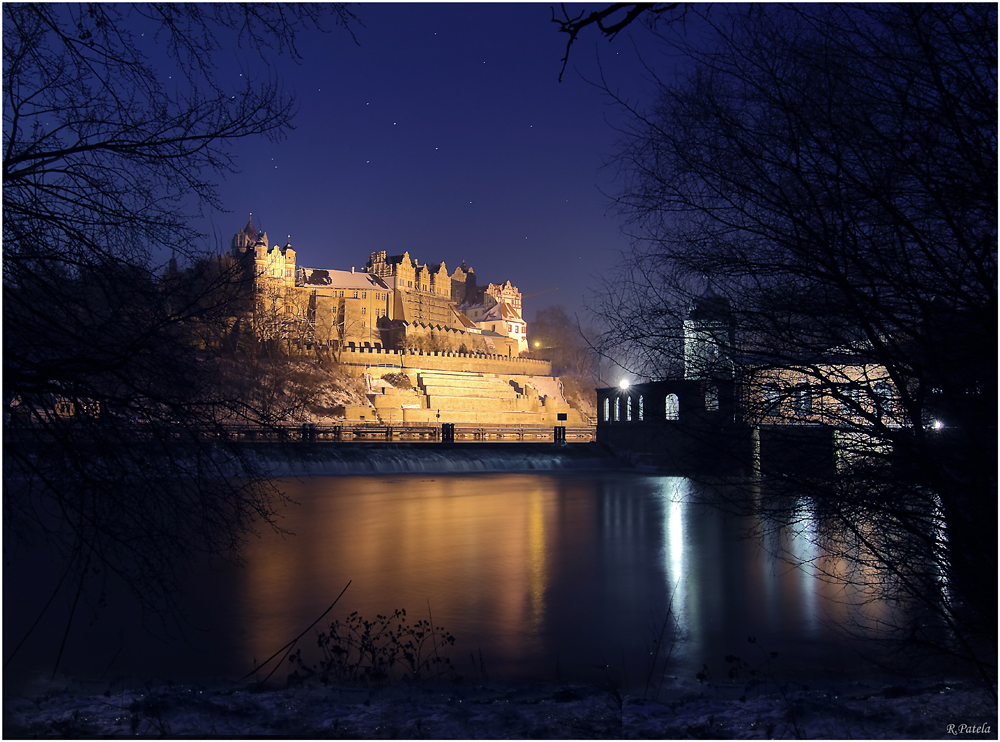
pixel 445 132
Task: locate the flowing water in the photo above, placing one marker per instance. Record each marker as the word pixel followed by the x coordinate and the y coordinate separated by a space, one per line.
pixel 539 576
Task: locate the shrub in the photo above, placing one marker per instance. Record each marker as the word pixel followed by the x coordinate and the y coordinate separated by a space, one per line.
pixel 400 381
pixel 376 652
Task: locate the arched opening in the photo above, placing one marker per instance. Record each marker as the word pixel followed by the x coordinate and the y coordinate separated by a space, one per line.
pixel 673 407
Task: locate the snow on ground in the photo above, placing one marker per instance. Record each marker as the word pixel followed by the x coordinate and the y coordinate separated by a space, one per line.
pixel 495 711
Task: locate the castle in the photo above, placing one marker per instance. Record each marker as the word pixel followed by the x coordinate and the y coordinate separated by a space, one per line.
pixel 394 302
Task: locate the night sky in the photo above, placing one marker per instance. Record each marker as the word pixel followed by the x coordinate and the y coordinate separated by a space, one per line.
pixel 445 132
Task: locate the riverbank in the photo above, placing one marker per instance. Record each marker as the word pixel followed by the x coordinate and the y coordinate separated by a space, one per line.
pixel 846 710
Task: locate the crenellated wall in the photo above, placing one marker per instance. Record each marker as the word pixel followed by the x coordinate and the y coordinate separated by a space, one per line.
pixel 445 361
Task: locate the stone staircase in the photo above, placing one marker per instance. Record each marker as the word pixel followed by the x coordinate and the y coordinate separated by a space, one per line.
pixel 468 398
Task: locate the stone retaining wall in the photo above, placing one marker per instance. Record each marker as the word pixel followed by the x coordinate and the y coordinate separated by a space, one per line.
pixel 445 361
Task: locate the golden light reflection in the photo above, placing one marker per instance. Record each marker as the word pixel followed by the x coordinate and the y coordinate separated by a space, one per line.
pixel 474 556
pixel 536 560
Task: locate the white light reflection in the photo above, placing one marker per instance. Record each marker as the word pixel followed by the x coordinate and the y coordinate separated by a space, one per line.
pixel 804 548
pixel 675 493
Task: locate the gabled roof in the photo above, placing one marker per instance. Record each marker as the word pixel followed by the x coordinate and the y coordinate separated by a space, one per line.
pixel 463 320
pixel 501 312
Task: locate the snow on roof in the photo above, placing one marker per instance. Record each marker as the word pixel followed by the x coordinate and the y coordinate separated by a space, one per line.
pixel 475 297
pixel 323 278
pixel 502 312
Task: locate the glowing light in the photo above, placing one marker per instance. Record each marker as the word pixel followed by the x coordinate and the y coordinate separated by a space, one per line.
pixel 938 425
pixel 537 344
pixel 623 383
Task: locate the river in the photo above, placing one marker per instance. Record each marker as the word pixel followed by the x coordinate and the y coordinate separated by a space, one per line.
pixel 539 576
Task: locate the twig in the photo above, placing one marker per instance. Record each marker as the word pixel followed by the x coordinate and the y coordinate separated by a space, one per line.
pixel 292 642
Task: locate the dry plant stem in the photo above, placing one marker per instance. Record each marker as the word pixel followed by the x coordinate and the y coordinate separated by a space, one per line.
pixel 288 647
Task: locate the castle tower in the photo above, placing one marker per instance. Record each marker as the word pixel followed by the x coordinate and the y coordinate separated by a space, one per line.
pixel 244 239
pixel 289 268
pixel 709 338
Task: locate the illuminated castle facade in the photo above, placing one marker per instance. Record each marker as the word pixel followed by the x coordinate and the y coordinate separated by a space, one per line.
pixel 394 302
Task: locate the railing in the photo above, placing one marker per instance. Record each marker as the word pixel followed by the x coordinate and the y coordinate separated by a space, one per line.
pixel 355 432
pixel 370 432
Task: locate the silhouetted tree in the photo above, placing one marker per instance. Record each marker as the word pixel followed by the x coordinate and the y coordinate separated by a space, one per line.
pixel 561 340
pixel 115 397
pixel 832 171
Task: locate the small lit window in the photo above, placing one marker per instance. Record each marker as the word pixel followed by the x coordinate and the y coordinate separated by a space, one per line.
pixel 802 403
pixel 628 408
pixel 673 408
pixel 618 408
pixel 640 408
pixel 772 398
pixel 607 409
pixel 712 399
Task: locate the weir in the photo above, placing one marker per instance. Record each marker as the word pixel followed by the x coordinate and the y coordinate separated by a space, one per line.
pixel 424 457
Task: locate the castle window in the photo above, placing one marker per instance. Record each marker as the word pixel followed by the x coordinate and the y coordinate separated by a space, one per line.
pixel 640 407
pixel 355 294
pixel 409 284
pixel 712 399
pixel 883 398
pixel 364 310
pixel 673 407
pixel 364 294
pixel 618 407
pixel 628 409
pixel 607 409
pixel 802 402
pixel 772 398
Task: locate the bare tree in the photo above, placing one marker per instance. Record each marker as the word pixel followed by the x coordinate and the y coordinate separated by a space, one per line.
pixel 612 19
pixel 832 171
pixel 115 398
pixel 561 340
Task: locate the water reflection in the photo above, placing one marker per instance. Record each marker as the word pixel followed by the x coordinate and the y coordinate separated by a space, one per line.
pixel 544 576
